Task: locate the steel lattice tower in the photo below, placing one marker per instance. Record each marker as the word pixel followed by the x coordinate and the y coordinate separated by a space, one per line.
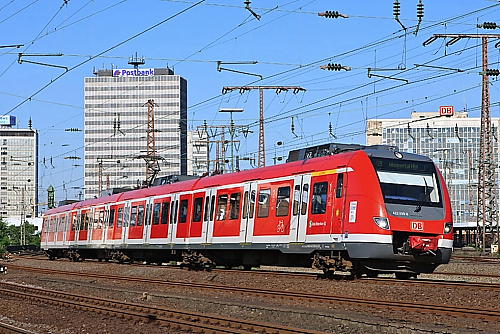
pixel 487 208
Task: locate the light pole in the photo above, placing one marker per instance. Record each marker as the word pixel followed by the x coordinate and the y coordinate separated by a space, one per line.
pixel 22 227
pixel 231 131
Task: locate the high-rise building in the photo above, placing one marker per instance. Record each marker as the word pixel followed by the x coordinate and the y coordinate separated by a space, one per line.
pixel 197 152
pixel 116 126
pixel 453 144
pixel 18 172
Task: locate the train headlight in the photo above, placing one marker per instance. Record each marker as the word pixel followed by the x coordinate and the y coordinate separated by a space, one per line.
pixel 382 222
pixel 448 227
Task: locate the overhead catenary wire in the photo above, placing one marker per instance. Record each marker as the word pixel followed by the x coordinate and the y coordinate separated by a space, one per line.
pixel 101 53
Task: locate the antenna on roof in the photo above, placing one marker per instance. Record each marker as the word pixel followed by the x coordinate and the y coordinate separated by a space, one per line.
pixel 136 61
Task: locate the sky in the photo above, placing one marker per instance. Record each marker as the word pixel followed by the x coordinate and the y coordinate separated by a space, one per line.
pixel 284 47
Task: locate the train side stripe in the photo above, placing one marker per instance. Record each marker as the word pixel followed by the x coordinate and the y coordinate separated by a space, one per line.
pixel 333 171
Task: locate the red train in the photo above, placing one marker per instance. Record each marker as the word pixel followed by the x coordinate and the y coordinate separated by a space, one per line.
pixel 359 209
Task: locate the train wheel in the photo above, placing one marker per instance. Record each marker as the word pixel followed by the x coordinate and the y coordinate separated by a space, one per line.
pixel 247 267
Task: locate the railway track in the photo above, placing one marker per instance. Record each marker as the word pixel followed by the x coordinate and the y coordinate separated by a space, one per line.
pixel 486 314
pixel 315 275
pixel 9 329
pixel 174 319
pixel 482 259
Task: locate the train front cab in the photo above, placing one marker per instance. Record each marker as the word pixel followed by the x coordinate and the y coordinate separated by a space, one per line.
pixel 406 214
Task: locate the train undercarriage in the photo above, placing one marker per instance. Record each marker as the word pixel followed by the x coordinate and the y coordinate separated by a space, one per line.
pixel 352 262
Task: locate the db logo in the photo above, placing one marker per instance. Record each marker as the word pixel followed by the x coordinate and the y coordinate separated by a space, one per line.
pixel 417 226
pixel 446 111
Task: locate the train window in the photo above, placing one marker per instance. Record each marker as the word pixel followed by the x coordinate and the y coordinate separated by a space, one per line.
pixel 88 221
pixel 63 223
pixel 212 208
pixel 74 222
pixel 197 209
pixel 252 204
pixel 148 214
pixel 111 218
pixel 126 217
pixel 133 216
pixel 340 185
pixel 296 200
pixel 245 205
pixel 174 212
pixel 305 199
pixel 83 221
pixel 119 221
pixel 221 207
pixel 235 201
pixel 140 215
pixel 183 211
pixel 263 208
pixel 100 221
pixel 283 201
pixel 156 213
pixel 207 208
pixel 164 212
pixel 320 190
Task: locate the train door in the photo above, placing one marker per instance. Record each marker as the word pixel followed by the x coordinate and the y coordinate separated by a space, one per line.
pixel 83 233
pixel 110 223
pixel 174 206
pixel 160 220
pixel 338 206
pixel 320 211
pixel 97 233
pixel 126 222
pixel 248 216
pixel 67 224
pixel 147 222
pixel 208 217
pixel 227 221
pixel 136 222
pixel 105 224
pixel 73 229
pixel 299 207
pixel 183 218
pixel 60 228
pixel 196 223
pixel 116 218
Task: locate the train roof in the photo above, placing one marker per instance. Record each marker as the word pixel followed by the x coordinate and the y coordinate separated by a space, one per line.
pixel 289 168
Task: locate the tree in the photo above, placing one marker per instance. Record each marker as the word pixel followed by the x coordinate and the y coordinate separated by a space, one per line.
pixel 4 236
pixel 11 235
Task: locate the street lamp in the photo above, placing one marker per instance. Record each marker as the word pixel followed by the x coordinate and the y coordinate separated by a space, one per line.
pixel 231 131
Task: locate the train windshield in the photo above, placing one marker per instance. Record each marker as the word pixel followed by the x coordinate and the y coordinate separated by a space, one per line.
pixel 408 182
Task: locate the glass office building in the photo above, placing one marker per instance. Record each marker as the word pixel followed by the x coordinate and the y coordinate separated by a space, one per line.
pixel 18 171
pixel 116 118
pixel 453 144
